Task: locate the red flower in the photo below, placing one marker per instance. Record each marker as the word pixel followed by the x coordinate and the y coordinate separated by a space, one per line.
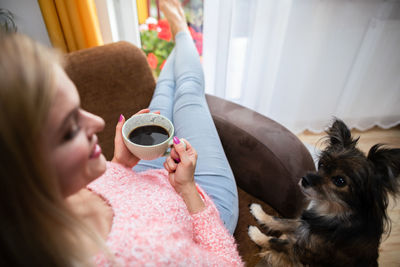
pixel 165 32
pixel 162 64
pixel 165 35
pixel 198 36
pixel 152 59
pixel 152 27
pixel 199 46
pixel 198 39
pixel 191 30
pixel 195 35
pixel 163 24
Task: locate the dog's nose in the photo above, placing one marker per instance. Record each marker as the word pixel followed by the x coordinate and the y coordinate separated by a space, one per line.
pixel 311 180
pixel 304 182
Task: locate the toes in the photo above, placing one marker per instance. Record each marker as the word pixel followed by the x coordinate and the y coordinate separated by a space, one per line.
pixel 173 12
pixel 253 230
pixel 256 209
pixel 257 236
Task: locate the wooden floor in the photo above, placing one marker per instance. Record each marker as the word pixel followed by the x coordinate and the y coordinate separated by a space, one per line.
pixel 390 247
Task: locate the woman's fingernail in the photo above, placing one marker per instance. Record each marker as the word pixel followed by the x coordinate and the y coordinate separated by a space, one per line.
pixel 177 160
pixel 176 140
pixel 120 118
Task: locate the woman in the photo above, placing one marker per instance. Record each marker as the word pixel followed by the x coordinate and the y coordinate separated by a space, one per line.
pixel 63 204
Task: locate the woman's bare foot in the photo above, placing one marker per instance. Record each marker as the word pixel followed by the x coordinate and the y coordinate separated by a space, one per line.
pixel 173 12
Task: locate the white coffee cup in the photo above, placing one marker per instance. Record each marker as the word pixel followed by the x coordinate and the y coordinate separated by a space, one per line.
pixel 148 152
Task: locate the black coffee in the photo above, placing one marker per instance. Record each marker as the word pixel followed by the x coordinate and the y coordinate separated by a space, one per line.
pixel 148 135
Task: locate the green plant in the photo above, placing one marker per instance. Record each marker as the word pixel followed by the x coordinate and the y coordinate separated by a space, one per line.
pixel 156 39
pixel 156 36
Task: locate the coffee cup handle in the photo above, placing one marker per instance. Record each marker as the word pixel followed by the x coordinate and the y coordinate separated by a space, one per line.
pixel 170 145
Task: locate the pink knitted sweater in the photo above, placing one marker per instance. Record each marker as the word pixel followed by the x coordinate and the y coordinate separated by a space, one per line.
pixel 152 226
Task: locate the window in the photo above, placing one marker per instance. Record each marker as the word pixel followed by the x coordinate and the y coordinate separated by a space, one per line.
pixel 155 34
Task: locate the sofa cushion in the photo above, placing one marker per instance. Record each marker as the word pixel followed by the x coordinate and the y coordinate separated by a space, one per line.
pixel 248 250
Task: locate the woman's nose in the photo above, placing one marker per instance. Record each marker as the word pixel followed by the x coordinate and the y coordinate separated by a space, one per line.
pixel 93 123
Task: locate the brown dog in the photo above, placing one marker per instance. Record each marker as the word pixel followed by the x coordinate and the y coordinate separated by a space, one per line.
pixel 346 215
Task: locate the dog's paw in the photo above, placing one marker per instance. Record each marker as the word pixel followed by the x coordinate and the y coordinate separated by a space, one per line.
pixel 253 232
pixel 258 213
pixel 256 236
pixel 256 210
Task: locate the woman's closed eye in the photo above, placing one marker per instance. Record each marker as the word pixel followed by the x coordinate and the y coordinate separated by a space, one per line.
pixel 73 127
pixel 71 133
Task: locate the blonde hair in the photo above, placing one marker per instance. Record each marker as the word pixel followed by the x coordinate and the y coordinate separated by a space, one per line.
pixel 36 226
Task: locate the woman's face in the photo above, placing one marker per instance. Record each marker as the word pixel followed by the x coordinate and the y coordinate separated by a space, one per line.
pixel 70 139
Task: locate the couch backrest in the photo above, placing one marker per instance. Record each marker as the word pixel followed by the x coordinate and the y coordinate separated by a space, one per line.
pixel 98 73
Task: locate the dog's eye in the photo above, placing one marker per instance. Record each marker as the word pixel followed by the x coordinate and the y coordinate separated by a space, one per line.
pixel 320 165
pixel 339 181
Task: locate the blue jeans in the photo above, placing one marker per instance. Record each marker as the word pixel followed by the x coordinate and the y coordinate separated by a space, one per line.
pixel 179 95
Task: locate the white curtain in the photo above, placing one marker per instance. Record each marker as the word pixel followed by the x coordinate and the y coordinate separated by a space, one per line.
pixel 302 62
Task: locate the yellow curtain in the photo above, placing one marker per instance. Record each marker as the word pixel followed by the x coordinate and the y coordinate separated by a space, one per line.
pixel 142 10
pixel 90 22
pixel 52 24
pixel 71 24
pixel 66 25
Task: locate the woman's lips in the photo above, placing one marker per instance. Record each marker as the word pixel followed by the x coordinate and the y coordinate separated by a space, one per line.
pixel 96 152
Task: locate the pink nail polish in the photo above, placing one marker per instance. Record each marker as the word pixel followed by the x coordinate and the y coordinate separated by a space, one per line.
pixel 177 160
pixel 176 140
pixel 120 118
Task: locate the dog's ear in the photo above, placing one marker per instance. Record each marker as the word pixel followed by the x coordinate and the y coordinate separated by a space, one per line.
pixel 340 136
pixel 387 166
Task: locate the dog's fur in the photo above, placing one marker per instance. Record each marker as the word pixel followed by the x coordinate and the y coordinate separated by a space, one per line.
pixel 346 215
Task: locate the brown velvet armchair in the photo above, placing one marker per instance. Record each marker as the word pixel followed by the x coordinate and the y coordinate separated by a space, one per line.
pixel 267 159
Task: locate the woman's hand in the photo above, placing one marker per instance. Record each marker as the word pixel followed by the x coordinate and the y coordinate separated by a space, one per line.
pixel 121 153
pixel 181 165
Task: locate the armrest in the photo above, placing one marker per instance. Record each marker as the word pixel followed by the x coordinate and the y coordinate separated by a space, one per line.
pixel 266 158
pixel 112 79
